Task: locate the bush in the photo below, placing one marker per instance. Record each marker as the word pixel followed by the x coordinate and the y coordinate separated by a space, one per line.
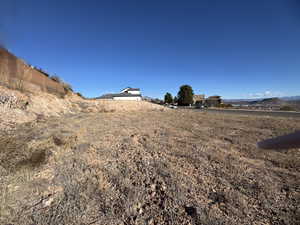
pixel 56 79
pixel 224 105
pixel 287 108
pixel 40 70
pixel 67 87
pixel 79 94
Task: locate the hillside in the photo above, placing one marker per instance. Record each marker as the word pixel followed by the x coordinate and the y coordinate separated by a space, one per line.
pixel 18 107
pixel 15 73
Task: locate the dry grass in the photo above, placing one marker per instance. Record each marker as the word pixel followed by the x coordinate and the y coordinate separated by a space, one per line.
pixel 17 107
pixel 174 167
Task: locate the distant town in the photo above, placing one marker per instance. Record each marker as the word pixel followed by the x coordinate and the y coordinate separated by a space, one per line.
pixel 186 97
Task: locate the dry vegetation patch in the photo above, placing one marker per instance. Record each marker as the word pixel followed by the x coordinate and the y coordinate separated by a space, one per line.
pixel 19 107
pixel 173 167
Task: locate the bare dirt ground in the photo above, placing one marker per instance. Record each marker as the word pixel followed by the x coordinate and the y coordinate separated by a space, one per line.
pixel 173 167
pixel 18 107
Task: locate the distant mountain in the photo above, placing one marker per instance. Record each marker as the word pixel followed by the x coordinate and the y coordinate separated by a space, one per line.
pixel 292 102
pixel 147 98
pixel 268 101
pixel 242 100
pixel 291 98
pixel 287 98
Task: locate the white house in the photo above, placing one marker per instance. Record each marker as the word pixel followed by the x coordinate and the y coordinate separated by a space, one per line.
pixel 131 94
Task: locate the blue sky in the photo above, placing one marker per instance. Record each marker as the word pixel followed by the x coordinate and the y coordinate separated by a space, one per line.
pixel 233 48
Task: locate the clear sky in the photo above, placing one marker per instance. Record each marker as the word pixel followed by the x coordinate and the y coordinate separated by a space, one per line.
pixel 233 48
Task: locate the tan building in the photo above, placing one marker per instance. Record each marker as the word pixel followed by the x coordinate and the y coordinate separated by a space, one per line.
pixel 199 99
pixel 213 101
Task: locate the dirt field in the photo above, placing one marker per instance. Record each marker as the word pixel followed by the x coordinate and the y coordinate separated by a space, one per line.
pixel 173 167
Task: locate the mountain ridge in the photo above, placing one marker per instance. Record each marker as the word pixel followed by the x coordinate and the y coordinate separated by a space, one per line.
pixel 285 98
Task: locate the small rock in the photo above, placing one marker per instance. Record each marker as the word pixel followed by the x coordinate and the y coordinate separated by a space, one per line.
pixel 139 205
pixel 190 210
pixel 150 221
pixel 48 202
pixel 153 186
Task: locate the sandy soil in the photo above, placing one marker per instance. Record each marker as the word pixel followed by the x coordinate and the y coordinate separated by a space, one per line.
pixel 173 167
pixel 18 107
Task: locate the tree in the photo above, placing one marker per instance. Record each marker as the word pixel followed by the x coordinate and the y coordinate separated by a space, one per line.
pixel 168 98
pixel 185 95
pixel 175 100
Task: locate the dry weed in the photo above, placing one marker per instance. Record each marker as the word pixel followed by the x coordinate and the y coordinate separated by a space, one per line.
pixel 174 167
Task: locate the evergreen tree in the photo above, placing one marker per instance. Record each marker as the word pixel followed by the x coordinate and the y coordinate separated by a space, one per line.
pixel 168 98
pixel 175 100
pixel 185 95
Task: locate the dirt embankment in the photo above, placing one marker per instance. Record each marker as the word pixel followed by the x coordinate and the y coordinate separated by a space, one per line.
pixel 173 167
pixel 18 107
pixel 17 74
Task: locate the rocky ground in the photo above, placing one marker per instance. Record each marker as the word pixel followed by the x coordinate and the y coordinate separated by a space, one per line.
pixel 151 167
pixel 18 107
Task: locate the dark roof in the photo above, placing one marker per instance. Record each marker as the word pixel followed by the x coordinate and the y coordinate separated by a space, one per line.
pixel 110 96
pixel 214 97
pixel 131 89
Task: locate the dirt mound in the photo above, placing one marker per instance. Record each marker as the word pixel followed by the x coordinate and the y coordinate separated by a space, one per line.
pixel 12 109
pixel 18 107
pixel 148 168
